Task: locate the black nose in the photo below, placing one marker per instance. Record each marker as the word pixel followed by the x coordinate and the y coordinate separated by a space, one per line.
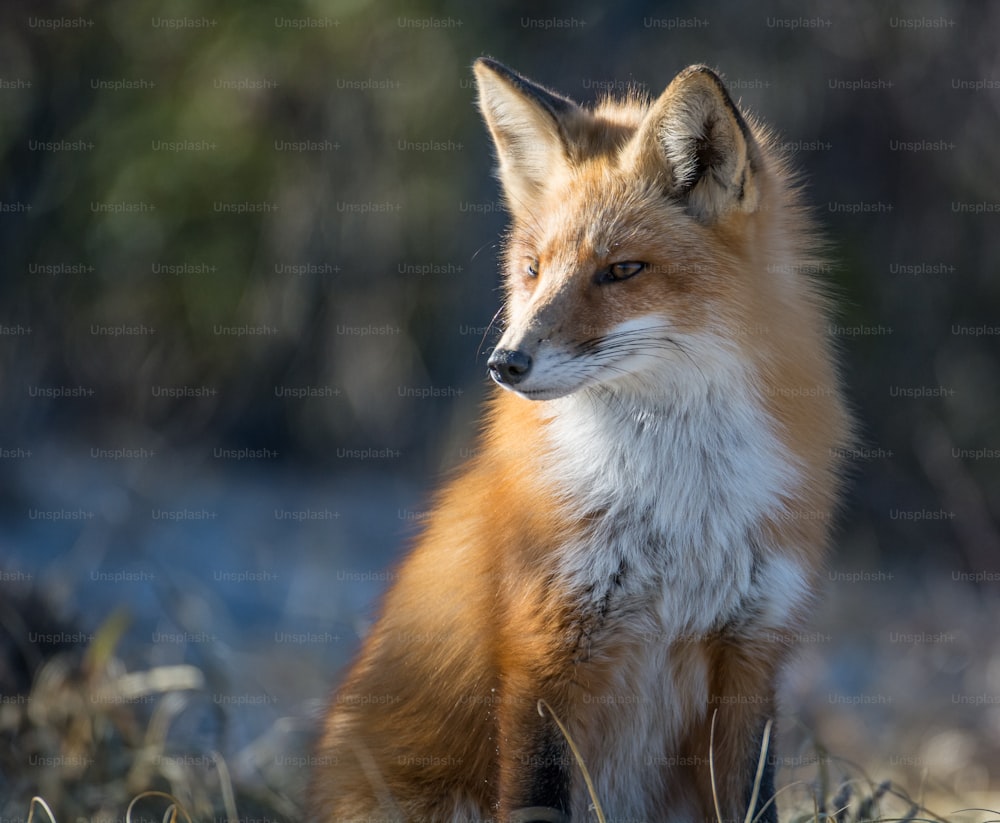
pixel 509 367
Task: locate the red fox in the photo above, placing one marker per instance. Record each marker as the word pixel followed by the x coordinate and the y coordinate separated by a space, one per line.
pixel 634 546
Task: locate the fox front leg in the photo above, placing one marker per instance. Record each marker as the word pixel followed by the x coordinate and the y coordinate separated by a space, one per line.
pixel 535 763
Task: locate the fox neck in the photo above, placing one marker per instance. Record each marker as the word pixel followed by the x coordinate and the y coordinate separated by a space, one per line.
pixel 683 454
pixel 686 477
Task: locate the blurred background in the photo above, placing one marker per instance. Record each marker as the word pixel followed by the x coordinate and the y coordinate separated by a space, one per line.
pixel 249 261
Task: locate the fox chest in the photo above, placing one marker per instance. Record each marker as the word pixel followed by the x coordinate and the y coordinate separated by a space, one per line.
pixel 674 508
pixel 629 581
pixel 673 550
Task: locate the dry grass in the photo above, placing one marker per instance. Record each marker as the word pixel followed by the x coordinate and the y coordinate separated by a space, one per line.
pixel 839 791
pixel 92 741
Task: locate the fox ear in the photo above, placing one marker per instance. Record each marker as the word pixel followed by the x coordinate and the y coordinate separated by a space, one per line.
pixel 711 157
pixel 528 125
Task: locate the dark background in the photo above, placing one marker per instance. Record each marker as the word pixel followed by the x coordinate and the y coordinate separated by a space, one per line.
pixel 205 207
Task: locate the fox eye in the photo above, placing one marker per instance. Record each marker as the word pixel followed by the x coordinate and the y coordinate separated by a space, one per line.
pixel 620 271
pixel 532 268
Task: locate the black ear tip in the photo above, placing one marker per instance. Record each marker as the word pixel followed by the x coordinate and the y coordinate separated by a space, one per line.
pixel 705 74
pixel 555 103
pixel 496 67
pixel 490 67
pixel 488 63
pixel 703 70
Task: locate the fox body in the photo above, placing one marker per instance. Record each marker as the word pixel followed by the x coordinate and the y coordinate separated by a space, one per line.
pixel 635 544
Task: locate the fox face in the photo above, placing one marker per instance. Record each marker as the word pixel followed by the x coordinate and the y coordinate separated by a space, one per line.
pixel 627 263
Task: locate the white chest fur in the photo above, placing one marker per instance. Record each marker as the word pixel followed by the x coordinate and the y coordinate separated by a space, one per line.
pixel 675 498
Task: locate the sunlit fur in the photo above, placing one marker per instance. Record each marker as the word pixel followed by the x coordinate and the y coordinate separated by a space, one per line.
pixel 639 535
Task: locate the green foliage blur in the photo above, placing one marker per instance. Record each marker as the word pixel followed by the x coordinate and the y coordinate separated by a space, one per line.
pixel 176 114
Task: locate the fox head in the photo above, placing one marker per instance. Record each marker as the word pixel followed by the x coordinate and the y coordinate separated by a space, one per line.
pixel 638 237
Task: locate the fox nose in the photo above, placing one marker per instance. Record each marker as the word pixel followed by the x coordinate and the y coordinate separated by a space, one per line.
pixel 508 367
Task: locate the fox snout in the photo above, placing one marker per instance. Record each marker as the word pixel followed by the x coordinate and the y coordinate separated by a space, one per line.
pixel 508 367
